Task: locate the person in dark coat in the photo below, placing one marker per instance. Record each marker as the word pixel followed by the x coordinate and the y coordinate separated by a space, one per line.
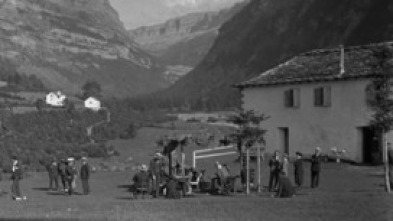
pixel 390 161
pixel 285 187
pixel 85 175
pixel 316 161
pixel 62 172
pixel 53 171
pixel 16 177
pixel 141 180
pixel 156 171
pixel 298 164
pixel 275 167
pixel 71 174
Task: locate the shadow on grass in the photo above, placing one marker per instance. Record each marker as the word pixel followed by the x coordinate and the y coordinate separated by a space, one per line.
pixel 125 198
pixel 37 219
pixel 40 188
pixel 125 186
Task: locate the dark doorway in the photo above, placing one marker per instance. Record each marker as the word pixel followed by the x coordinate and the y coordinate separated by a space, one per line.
pixel 372 153
pixel 283 133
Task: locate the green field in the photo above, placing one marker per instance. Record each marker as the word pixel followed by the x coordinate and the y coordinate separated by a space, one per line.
pixel 346 193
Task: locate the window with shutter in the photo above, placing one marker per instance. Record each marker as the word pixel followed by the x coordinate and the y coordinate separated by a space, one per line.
pixel 322 96
pixel 291 98
pixel 318 97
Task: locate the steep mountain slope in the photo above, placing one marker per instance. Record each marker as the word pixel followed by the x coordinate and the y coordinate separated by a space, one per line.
pixel 182 42
pixel 67 42
pixel 268 32
pixel 137 13
pixel 186 39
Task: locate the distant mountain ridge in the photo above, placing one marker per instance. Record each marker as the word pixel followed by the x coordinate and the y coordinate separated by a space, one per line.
pixel 137 13
pixel 68 42
pixel 184 40
pixel 267 32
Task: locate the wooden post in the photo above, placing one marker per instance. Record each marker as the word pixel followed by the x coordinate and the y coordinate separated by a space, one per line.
pixel 248 171
pixel 259 168
pixel 386 161
pixel 170 164
pixel 183 173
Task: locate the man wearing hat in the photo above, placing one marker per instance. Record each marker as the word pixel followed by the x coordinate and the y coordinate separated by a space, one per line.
pixel 71 173
pixel 316 161
pixel 16 177
pixel 85 175
pixel 298 164
pixel 62 172
pixel 53 171
pixel 156 167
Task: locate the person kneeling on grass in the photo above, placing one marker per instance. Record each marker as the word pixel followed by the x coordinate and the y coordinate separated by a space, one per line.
pixel 285 187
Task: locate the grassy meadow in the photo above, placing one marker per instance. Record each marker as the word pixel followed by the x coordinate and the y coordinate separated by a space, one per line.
pixel 346 192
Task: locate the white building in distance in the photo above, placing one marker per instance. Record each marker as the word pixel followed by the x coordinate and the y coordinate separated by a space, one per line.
pixel 92 104
pixel 55 99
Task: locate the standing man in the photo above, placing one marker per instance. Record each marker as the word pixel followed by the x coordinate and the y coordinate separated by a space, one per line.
pixel 62 172
pixel 390 161
pixel 71 174
pixel 316 161
pixel 299 170
pixel 54 175
pixel 274 164
pixel 16 177
pixel 156 171
pixel 85 175
pixel 285 165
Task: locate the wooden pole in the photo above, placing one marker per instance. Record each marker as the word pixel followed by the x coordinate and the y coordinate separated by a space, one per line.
pixel 386 162
pixel 183 157
pixel 248 171
pixel 259 168
pixel 170 164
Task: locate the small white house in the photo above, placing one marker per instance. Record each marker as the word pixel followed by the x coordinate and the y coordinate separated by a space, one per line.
pixel 55 99
pixel 93 104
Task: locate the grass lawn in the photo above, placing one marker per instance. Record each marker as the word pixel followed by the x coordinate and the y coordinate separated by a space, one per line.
pixel 346 193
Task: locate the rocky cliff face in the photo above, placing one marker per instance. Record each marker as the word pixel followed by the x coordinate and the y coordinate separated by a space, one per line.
pixel 67 42
pixel 182 42
pixel 186 39
pixel 268 32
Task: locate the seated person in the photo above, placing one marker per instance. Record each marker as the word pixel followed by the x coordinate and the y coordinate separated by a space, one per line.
pixel 285 187
pixel 221 178
pixel 141 180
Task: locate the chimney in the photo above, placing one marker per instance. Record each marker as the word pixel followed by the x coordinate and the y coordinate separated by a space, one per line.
pixel 342 61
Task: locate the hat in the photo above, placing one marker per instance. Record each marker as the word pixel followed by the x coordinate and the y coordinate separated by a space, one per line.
pixel 158 154
pixel 70 159
pixel 143 167
pixel 318 148
pixel 84 158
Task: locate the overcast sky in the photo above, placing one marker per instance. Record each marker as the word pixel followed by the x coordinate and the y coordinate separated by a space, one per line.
pixel 135 13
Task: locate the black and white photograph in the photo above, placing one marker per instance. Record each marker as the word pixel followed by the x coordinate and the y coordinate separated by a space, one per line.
pixel 196 110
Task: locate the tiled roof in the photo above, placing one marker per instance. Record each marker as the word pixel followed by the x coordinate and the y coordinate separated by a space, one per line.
pixel 323 65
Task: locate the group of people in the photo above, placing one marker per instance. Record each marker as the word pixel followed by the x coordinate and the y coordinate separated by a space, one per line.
pixel 66 171
pixel 63 170
pixel 279 171
pixel 155 179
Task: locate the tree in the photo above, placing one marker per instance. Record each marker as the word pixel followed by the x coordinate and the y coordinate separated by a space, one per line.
pixel 381 103
pixel 248 134
pixel 40 104
pixel 91 89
